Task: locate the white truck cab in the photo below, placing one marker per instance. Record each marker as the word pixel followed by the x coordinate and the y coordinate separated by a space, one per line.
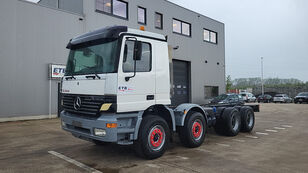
pixel 117 89
pixel 106 67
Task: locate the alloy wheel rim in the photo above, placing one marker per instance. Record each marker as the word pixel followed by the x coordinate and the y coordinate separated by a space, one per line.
pixel 234 122
pixel 197 129
pixel 156 137
pixel 249 119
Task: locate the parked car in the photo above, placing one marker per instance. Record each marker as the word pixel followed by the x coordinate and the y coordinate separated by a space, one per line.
pixel 265 98
pixel 230 99
pixel 248 97
pixel 282 98
pixel 301 98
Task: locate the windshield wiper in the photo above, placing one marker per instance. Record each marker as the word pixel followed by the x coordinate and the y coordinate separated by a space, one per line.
pixel 70 77
pixel 97 75
pixel 93 77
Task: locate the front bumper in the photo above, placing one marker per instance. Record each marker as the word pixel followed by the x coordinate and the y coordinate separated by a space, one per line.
pixel 301 99
pixel 83 127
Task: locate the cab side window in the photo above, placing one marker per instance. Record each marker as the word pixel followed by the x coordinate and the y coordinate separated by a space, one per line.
pixel 143 64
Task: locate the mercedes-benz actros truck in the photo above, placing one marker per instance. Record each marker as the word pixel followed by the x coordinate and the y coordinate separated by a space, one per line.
pixel 117 89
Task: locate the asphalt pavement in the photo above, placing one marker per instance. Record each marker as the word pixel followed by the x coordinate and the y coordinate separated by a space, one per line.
pixel 278 143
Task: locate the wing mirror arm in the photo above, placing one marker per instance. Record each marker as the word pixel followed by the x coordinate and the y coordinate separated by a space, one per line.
pixel 137 57
pixel 127 78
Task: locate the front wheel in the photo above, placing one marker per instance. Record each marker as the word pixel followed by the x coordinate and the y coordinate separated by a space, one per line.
pixel 192 134
pixel 153 137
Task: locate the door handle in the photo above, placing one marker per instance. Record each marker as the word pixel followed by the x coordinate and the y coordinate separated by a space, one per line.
pixel 150 97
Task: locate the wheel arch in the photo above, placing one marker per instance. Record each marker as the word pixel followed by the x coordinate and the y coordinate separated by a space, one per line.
pixel 160 110
pixel 164 112
pixel 183 110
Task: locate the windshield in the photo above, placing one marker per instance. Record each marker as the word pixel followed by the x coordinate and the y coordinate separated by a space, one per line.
pixel 303 94
pixel 221 97
pixel 94 59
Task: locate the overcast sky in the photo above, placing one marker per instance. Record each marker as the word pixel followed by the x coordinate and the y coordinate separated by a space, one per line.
pixel 274 29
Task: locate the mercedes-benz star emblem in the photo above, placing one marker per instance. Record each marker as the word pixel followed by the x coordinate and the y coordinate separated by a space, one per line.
pixel 77 103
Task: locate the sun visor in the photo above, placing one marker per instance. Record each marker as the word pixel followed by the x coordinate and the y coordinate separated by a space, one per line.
pixel 100 35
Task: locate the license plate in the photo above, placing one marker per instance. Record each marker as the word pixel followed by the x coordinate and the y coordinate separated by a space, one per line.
pixel 76 124
pixel 300 100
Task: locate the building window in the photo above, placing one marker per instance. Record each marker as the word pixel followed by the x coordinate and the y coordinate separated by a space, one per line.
pixel 177 26
pixel 142 15
pixel 206 35
pixel 210 91
pixel 181 27
pixel 74 6
pixel 33 1
pixel 142 65
pixel 117 8
pixel 158 20
pixel 210 36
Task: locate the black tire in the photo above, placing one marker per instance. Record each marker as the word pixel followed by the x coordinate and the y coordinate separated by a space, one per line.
pixel 247 119
pixel 192 134
pixel 153 131
pixel 100 143
pixel 230 122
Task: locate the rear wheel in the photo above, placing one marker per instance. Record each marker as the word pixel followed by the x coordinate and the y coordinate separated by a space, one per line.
pixel 153 137
pixel 230 122
pixel 192 134
pixel 247 119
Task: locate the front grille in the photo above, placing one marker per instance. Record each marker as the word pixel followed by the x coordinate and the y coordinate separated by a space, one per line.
pixel 90 105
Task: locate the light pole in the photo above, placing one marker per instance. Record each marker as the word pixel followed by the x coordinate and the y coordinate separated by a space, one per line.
pixel 262 83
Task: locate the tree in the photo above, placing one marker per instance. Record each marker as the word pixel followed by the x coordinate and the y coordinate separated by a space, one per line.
pixel 228 83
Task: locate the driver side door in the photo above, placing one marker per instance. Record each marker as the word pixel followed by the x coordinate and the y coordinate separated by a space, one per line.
pixel 138 92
